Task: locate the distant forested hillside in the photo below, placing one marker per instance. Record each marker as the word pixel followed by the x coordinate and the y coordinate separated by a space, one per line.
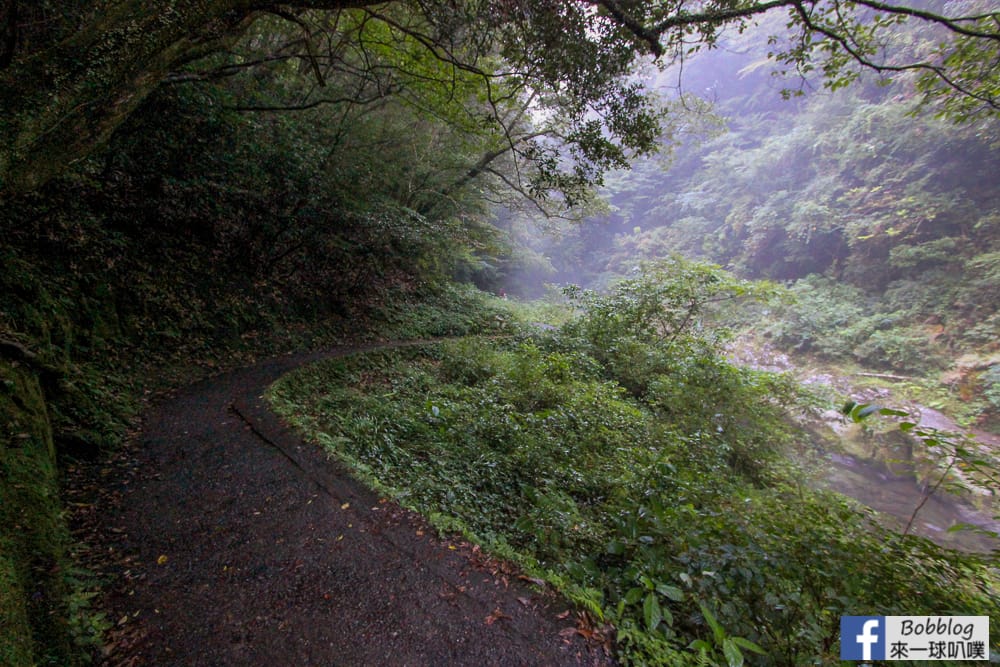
pixel 883 219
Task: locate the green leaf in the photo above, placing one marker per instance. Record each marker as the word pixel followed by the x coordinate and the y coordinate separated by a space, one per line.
pixel 734 657
pixel 861 412
pixel 671 592
pixel 615 548
pixel 717 630
pixel 668 618
pixel 652 612
pixel 963 526
pixel 742 642
pixel 634 595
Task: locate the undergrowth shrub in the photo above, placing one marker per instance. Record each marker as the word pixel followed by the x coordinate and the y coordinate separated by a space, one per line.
pixel 651 492
pixel 441 309
pixel 837 321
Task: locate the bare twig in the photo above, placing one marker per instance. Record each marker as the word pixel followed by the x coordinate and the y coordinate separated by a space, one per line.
pixel 927 496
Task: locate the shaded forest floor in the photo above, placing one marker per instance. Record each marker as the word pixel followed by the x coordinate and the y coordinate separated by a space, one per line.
pixel 225 540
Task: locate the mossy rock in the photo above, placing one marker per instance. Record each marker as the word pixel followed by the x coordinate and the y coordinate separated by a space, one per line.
pixel 33 536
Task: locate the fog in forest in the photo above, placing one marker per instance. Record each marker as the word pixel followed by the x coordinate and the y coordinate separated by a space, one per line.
pixel 881 218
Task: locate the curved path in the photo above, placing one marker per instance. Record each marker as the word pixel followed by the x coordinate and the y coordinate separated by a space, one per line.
pixel 238 544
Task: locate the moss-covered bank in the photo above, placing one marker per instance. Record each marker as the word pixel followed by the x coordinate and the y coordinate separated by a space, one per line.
pixel 95 313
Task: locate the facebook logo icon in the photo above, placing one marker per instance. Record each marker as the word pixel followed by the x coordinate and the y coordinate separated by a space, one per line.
pixel 862 637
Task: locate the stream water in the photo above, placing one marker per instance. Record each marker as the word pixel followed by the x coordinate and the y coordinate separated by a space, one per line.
pixel 892 490
pixel 897 497
pixel 896 492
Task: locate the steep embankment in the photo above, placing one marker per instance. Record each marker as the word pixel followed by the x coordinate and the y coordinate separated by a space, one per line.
pixel 107 296
pixel 54 403
pixel 33 537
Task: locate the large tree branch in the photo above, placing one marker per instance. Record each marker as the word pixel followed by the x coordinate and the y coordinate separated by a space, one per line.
pixel 62 101
pixel 645 34
pixel 845 42
pixel 225 71
pixel 59 104
pixel 310 47
pixel 347 99
pixel 715 17
pixel 951 23
pixel 487 159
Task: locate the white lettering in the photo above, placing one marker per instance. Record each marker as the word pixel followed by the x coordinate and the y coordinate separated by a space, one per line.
pixel 866 638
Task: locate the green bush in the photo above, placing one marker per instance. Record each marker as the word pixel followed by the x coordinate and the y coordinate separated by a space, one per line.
pixel 821 319
pixel 900 348
pixel 991 383
pixel 639 473
pixel 445 309
pixel 637 513
pixel 836 321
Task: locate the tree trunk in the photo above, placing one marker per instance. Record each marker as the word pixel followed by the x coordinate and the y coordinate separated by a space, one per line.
pixel 60 103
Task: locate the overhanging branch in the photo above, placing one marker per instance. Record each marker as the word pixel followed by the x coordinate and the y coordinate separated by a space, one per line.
pixel 951 23
pixel 845 43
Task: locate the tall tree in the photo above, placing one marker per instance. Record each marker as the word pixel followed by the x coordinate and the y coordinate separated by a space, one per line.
pixel 65 88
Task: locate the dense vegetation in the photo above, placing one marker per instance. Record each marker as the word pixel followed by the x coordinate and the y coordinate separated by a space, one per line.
pixel 201 238
pixel 623 459
pixel 97 317
pixel 189 185
pixel 883 223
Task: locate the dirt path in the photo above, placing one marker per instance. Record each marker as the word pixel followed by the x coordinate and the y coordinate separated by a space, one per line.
pixel 233 543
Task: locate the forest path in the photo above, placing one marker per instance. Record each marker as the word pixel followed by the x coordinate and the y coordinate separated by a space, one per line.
pixel 235 543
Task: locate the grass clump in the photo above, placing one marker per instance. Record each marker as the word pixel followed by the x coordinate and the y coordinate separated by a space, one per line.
pixel 441 309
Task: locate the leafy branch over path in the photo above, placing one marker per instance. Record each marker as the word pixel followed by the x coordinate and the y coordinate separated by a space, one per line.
pixel 67 85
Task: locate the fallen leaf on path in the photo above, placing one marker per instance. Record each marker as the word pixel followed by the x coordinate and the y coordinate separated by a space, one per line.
pixel 161 560
pixel 345 506
pixel 495 616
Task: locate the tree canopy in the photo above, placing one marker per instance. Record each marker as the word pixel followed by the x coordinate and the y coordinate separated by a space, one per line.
pixel 548 79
